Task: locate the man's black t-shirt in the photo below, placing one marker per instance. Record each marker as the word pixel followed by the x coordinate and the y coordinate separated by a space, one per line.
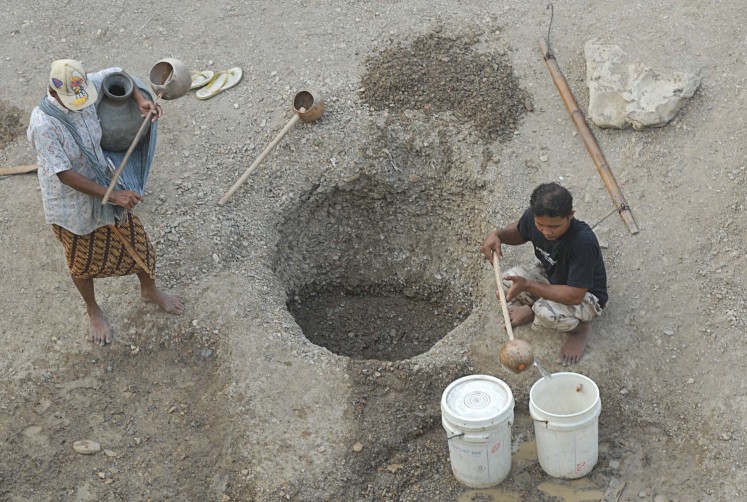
pixel 574 259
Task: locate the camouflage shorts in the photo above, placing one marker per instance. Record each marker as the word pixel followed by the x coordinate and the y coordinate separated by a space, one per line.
pixel 549 314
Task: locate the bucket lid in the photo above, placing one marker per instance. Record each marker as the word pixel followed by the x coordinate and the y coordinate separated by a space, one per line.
pixel 477 401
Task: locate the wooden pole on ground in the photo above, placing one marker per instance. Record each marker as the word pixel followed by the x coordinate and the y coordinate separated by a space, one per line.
pixel 25 168
pixel 588 138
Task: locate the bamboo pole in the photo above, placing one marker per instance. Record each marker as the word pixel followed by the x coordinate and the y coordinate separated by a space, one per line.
pixel 588 138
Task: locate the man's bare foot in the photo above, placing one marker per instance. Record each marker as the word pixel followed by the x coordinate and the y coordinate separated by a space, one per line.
pixel 575 343
pixel 172 304
pixel 101 332
pixel 521 315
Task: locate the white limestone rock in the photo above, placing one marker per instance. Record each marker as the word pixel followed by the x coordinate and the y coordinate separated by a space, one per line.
pixel 624 94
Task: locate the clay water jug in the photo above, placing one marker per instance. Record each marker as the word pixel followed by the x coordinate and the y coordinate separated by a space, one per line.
pixel 118 113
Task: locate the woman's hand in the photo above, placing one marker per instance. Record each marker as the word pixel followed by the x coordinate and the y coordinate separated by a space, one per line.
pixel 147 107
pixel 125 198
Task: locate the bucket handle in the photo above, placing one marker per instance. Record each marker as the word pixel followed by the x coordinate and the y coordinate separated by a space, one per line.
pixel 448 438
pixel 546 422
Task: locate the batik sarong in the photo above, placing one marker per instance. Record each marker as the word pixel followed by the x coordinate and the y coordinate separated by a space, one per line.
pixel 113 250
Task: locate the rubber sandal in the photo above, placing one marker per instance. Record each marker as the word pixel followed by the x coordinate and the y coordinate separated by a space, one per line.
pixel 201 78
pixel 234 77
pixel 223 80
pixel 213 87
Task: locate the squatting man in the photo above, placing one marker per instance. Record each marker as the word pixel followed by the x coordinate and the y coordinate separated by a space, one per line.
pixel 567 288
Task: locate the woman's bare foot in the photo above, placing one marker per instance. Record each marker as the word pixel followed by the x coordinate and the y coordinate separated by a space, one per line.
pixel 575 343
pixel 101 331
pixel 521 315
pixel 172 304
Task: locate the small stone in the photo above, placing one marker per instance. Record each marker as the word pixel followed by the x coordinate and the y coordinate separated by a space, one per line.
pixel 321 449
pixel 172 409
pixel 137 441
pixel 690 380
pixel 101 474
pixel 623 391
pixel 725 436
pixel 642 494
pixel 660 498
pixel 110 453
pixel 669 332
pixel 216 258
pixel 543 157
pixel 244 472
pixel 615 464
pixel 86 447
pixel 357 447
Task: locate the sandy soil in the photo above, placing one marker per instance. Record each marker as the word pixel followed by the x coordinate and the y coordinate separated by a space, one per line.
pixel 390 193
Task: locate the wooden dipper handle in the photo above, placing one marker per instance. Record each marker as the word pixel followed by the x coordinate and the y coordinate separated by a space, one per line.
pixel 256 163
pixel 502 294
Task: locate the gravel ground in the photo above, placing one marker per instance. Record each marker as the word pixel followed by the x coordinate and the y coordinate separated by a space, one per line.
pixel 440 118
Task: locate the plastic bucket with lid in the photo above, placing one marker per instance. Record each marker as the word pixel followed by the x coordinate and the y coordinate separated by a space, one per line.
pixel 477 412
pixel 566 410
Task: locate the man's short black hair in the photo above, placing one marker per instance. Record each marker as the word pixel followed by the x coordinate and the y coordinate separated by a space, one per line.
pixel 551 199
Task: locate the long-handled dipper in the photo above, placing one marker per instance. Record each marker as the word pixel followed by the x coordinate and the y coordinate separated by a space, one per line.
pixel 516 355
pixel 307 107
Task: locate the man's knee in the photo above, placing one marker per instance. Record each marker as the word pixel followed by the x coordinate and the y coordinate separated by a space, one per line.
pixel 554 316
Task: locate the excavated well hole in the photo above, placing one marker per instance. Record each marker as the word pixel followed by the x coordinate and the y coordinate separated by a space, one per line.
pixel 374 271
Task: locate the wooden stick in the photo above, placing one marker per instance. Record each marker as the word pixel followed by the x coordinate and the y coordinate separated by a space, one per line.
pixel 133 144
pixel 256 163
pixel 131 149
pixel 23 168
pixel 588 137
pixel 502 294
pixel 130 249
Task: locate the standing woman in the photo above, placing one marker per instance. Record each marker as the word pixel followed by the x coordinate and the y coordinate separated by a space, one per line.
pixel 99 239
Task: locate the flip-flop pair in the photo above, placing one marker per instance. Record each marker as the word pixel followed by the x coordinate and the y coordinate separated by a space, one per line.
pixel 211 83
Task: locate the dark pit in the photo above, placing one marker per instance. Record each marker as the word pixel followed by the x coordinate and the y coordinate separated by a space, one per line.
pixel 378 269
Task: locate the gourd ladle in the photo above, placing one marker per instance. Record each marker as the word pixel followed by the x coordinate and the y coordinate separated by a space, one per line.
pixel 515 355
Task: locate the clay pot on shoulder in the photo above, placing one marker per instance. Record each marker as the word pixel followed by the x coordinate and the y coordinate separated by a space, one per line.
pixel 118 113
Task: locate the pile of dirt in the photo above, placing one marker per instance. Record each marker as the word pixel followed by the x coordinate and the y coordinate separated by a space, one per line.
pixel 12 123
pixel 439 73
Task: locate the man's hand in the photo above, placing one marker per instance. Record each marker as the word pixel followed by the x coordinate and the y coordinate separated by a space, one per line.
pixel 492 243
pixel 518 286
pixel 125 198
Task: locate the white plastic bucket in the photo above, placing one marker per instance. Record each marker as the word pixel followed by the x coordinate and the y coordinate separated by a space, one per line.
pixel 566 410
pixel 477 412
